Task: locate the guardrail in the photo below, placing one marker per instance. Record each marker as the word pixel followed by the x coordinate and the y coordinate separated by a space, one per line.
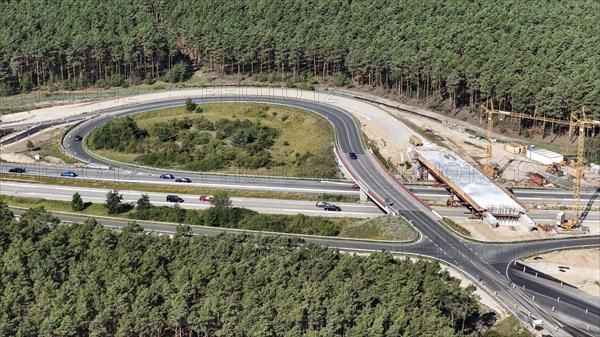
pixel 122 164
pixel 383 205
pixel 411 193
pixel 240 231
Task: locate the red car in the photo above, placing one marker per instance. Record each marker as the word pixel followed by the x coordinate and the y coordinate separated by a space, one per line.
pixel 355 187
pixel 206 198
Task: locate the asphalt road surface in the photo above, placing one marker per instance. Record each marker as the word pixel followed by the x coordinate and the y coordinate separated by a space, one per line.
pixel 251 181
pixel 271 206
pixel 487 264
pixel 222 181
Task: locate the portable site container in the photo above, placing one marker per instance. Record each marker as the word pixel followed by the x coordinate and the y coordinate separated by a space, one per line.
pixel 544 156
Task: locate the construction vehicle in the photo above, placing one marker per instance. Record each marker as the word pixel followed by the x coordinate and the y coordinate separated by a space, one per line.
pixel 568 162
pixel 556 169
pixel 575 123
pixel 504 167
pixel 416 141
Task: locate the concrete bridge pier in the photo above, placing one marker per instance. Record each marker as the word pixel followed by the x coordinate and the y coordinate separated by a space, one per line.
pixel 363 196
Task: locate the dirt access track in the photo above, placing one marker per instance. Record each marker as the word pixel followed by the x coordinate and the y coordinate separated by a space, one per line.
pixel 398 132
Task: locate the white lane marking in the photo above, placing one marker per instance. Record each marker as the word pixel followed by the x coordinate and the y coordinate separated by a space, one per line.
pixel 221 185
pixel 196 204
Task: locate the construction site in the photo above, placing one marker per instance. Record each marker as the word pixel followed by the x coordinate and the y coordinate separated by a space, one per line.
pixel 483 184
pixel 471 189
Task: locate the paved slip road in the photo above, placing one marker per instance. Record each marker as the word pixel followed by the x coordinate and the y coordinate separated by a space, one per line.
pixel 485 263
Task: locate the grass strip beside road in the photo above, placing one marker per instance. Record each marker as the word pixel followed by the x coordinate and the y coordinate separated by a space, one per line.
pixel 510 326
pixel 176 189
pixel 453 226
pixel 349 227
pixel 52 205
pixel 383 161
pixel 52 148
pixel 384 227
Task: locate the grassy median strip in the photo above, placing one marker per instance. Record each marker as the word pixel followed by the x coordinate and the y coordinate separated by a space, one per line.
pixel 53 205
pixel 230 217
pixel 455 227
pixel 382 228
pixel 177 189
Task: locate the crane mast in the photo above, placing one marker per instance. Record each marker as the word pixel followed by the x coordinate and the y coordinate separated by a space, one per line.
pixel 575 123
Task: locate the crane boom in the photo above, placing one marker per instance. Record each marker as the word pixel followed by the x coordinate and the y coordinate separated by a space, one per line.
pixel 574 123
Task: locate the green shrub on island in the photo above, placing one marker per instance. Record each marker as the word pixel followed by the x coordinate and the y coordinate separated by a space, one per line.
pixel 195 144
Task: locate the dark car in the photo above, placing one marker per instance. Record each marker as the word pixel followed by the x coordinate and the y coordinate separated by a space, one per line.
pixel 17 170
pixel 167 176
pixel 183 180
pixel 174 198
pixel 353 155
pixel 78 138
pixel 333 208
pixel 69 174
pixel 321 204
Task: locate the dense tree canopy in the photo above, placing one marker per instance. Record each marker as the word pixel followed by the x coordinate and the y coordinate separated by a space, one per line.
pixel 526 54
pixel 85 280
pixel 196 144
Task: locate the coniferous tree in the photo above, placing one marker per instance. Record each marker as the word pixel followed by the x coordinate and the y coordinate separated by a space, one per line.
pixel 143 203
pixel 113 202
pixel 77 204
pixel 190 105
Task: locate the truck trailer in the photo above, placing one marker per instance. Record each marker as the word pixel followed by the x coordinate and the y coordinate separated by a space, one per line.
pixel 416 141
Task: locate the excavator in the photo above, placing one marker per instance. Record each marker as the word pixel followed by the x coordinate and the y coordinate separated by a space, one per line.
pixel 556 169
pixel 497 170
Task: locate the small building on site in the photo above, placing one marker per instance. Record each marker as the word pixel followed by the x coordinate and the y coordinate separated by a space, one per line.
pixel 514 148
pixel 544 156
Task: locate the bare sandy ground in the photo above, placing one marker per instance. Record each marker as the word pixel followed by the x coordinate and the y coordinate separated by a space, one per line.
pixel 468 146
pixel 482 231
pixel 583 272
pixel 18 153
pixel 380 124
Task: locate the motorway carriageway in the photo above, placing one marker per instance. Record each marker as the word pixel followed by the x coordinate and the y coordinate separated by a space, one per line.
pixel 267 183
pixel 487 263
pixel 525 282
pixel 271 206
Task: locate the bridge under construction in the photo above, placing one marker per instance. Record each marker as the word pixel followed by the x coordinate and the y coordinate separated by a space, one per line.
pixel 472 189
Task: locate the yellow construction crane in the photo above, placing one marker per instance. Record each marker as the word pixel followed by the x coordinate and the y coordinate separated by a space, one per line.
pixel 581 123
pixel 575 123
pixel 488 106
